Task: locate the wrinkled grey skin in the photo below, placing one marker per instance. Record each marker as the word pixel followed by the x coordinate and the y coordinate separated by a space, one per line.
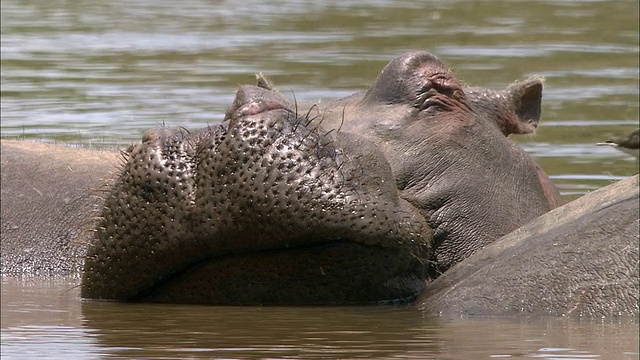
pixel 578 260
pixel 444 147
pixel 353 201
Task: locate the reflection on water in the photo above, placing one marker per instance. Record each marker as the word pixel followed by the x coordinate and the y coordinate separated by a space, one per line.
pixel 100 73
pixel 46 319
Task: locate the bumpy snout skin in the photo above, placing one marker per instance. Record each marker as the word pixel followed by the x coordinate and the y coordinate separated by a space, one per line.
pixel 268 208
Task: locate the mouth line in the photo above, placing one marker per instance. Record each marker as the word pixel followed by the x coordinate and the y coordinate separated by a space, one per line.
pixel 194 266
pixel 256 277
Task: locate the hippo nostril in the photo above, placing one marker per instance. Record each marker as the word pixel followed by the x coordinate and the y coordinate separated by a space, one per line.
pixel 256 107
pixel 252 100
pixel 262 107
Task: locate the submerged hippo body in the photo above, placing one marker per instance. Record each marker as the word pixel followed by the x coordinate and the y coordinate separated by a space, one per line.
pixel 354 201
pixel 360 200
pixel 50 198
pixel 580 259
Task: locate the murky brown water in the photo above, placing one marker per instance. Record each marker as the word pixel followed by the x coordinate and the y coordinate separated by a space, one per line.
pixel 45 319
pixel 100 73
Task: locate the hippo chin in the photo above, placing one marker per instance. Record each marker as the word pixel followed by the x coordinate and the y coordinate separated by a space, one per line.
pixel 359 200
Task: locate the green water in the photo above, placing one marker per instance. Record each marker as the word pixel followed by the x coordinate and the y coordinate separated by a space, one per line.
pixel 101 73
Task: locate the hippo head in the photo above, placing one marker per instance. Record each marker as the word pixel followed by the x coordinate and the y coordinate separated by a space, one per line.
pixel 351 201
pixel 449 152
pixel 267 208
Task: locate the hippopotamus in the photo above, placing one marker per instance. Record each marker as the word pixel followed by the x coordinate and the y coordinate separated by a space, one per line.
pixel 368 199
pixel 579 259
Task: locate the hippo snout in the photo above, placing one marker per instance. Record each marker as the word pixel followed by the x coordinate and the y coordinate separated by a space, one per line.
pixel 266 208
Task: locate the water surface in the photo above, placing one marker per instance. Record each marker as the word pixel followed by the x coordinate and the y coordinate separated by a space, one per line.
pixel 44 319
pixel 100 73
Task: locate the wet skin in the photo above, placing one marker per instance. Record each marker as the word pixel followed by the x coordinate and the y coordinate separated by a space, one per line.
pixel 359 200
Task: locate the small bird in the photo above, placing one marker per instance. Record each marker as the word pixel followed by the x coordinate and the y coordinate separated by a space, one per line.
pixel 628 144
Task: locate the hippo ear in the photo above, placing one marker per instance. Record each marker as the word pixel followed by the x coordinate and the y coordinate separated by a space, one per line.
pixel 525 99
pixel 408 76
